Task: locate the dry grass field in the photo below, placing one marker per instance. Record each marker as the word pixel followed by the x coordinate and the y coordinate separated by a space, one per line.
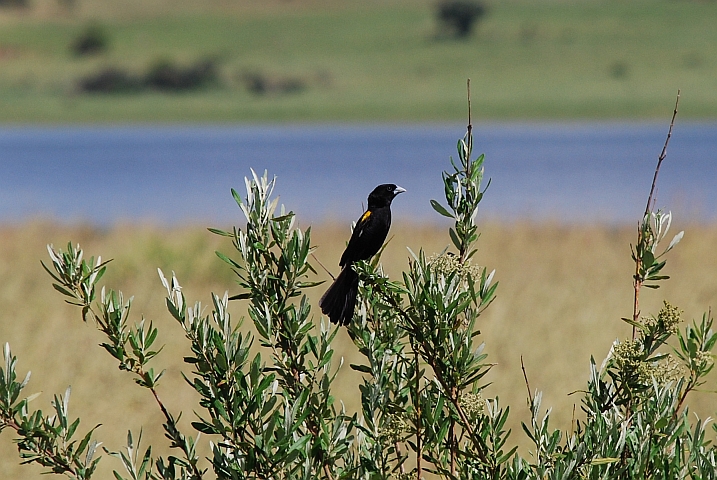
pixel 562 292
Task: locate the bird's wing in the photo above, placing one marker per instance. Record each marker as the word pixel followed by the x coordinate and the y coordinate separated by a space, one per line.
pixel 353 250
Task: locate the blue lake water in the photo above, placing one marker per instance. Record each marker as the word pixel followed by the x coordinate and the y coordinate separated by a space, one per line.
pixel 580 172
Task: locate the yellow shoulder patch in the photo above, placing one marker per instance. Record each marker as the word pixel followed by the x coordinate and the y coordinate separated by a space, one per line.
pixel 365 216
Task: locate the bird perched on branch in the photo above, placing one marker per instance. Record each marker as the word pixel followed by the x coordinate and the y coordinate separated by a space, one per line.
pixel 369 234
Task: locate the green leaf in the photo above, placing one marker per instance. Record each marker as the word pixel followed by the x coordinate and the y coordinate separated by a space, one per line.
pixel 100 272
pixel 361 368
pixel 227 260
pixel 206 428
pixel 634 323
pixel 241 296
pixel 647 259
pixel 454 238
pixel 300 443
pixel 283 217
pixel 63 291
pixel 440 209
pixel 237 197
pixel 223 233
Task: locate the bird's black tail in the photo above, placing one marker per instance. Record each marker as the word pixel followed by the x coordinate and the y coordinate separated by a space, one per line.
pixel 340 299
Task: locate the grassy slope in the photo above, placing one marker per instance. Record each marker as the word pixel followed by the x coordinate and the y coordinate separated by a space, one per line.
pixel 376 61
pixel 562 291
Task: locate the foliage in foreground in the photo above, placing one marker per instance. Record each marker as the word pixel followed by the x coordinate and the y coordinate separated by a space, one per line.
pixel 266 402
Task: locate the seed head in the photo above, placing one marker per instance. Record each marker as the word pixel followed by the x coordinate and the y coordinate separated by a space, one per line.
pixel 447 264
pixel 472 404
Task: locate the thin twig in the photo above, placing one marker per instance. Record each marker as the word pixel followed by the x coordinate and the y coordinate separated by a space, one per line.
pixel 170 421
pixel 472 434
pixel 637 284
pixel 453 445
pixel 663 154
pixel 419 443
pixel 399 456
pixel 527 383
pixel 327 472
pixel 161 405
pixel 322 266
pixel 469 139
pixel 470 126
pixel 690 386
pixel 638 280
pixel 453 397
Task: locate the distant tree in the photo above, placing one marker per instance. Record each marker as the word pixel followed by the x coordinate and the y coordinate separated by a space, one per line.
pixel 110 80
pixel 459 16
pixel 169 76
pixel 91 41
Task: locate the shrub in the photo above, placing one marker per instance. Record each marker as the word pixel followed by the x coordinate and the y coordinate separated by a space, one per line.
pixel 110 80
pixel 167 76
pixel 459 17
pixel 262 84
pixel 266 397
pixel 164 76
pixel 92 41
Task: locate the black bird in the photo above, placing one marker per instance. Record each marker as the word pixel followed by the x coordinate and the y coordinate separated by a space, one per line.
pixel 369 234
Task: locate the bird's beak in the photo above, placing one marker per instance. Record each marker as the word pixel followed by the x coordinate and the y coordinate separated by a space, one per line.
pixel 398 190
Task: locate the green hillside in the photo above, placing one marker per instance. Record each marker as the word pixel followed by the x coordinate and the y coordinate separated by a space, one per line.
pixel 326 60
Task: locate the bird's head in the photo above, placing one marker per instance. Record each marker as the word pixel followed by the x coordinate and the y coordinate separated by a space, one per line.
pixel 383 195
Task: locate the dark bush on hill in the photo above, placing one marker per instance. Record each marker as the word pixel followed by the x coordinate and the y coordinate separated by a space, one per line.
pixel 163 76
pixel 260 83
pixel 168 76
pixel 110 80
pixel 458 17
pixel 92 41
